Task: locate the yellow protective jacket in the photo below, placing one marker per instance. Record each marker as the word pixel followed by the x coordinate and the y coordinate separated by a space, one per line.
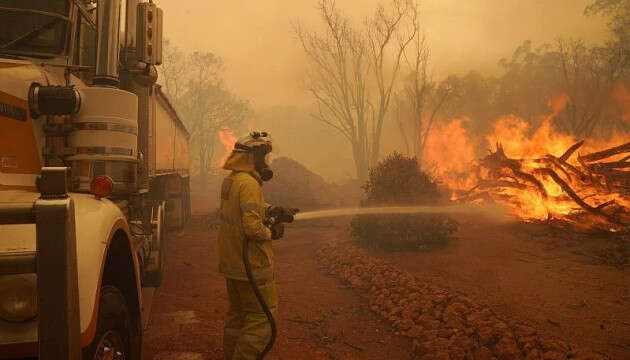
pixel 241 213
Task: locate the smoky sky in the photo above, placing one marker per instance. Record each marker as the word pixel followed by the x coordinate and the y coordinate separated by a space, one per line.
pixel 264 62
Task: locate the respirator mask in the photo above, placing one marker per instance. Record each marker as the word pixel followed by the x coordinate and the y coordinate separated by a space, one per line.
pixel 261 164
pixel 259 144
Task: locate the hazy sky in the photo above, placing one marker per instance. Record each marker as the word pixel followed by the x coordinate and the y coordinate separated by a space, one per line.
pixel 264 62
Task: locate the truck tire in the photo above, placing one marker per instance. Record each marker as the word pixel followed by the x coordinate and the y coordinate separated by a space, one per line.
pixel 153 278
pixel 116 337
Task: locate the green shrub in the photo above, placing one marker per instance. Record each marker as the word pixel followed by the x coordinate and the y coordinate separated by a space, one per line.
pixel 398 180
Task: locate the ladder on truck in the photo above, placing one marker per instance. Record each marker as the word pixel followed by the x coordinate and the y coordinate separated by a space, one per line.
pixel 54 262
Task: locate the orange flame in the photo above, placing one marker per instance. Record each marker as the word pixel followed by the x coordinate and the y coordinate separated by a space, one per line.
pixel 451 153
pixel 227 138
pixel 512 133
pixel 530 148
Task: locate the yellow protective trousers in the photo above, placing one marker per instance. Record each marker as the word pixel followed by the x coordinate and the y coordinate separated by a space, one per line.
pixel 247 330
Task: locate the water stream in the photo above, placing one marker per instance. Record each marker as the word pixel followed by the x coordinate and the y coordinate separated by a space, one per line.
pixel 494 213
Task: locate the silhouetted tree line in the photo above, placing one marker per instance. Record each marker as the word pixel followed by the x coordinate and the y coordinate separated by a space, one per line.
pixel 594 79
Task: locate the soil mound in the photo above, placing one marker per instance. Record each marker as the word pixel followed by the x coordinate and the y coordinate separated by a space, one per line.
pixel 295 185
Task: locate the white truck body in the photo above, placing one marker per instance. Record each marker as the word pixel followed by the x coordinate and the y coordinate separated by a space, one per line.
pixel 119 238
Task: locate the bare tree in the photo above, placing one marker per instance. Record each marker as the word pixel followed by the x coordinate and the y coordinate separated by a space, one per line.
pixel 223 110
pixel 353 73
pixel 195 87
pixel 173 72
pixel 388 35
pixel 421 99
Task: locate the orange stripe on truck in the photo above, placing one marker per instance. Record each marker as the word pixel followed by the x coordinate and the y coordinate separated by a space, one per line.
pixel 19 153
pixel 4 65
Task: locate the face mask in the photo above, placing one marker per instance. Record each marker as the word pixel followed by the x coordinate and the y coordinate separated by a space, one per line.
pixel 266 173
pixel 260 153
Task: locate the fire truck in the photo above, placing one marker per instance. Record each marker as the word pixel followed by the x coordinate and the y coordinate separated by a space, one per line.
pixel 94 166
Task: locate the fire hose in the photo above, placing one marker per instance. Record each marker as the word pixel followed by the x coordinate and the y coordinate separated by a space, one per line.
pixel 261 300
pixel 283 216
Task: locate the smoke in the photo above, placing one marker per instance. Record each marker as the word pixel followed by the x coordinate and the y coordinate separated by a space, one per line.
pixel 265 64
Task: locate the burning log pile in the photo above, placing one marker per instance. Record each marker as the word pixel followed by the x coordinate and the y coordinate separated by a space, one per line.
pixel 442 324
pixel 589 191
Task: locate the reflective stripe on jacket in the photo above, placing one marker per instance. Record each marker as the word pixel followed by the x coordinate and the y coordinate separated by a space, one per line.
pixel 241 214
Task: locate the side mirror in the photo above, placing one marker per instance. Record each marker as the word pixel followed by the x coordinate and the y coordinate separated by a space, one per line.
pixel 149 34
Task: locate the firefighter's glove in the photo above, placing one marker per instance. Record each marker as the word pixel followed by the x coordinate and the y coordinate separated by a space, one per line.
pixel 282 214
pixel 277 231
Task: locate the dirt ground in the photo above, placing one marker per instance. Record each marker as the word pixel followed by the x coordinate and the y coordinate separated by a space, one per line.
pixel 525 272
pixel 319 318
pixel 520 272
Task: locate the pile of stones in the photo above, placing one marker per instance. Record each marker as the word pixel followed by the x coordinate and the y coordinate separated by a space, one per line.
pixel 442 325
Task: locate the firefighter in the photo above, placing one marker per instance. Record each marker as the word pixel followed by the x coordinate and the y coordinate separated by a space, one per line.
pixel 247 330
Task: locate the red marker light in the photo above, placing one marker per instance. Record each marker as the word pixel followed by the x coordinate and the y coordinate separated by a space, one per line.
pixel 102 186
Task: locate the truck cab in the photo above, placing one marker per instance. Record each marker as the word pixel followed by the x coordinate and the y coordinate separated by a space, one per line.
pixel 78 91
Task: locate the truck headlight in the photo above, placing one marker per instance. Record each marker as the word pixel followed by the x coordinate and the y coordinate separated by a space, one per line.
pixel 18 297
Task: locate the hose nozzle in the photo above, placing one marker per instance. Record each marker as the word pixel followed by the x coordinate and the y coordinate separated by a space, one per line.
pixel 279 214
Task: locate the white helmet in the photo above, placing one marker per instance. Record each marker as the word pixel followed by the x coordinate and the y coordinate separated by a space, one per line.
pixel 258 143
pixel 255 139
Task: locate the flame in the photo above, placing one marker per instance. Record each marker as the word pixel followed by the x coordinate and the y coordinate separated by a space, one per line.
pixel 529 189
pixel 451 153
pixel 512 132
pixel 227 138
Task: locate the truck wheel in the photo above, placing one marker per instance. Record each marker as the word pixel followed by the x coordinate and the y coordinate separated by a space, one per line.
pixel 153 277
pixel 115 334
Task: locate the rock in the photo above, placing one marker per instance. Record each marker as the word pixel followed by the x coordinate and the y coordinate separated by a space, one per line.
pixel 554 355
pixel 441 324
pixel 452 323
pixel 483 353
pixel 464 342
pixel 405 324
pixel 438 356
pixel 486 336
pixel 527 343
pixel 396 310
pixel 533 355
pixel 456 308
pixel 428 335
pixel 506 349
pixel 524 331
pixel 414 332
pixel 456 352
pixel 554 345
pixel 408 314
pixel 355 281
pixel 439 299
pixel 479 315
pixel 445 333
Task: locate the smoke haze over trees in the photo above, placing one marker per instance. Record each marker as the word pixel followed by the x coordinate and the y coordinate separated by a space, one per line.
pixel 475 62
pixel 194 85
